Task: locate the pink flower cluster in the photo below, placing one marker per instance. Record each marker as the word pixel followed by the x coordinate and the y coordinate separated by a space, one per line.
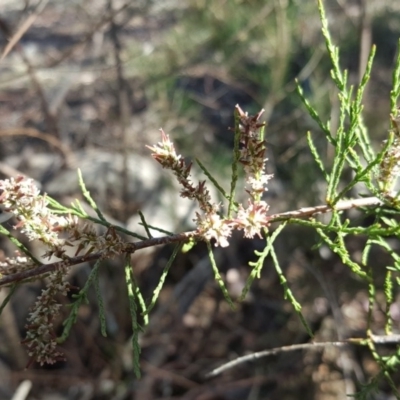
pixel 21 197
pixel 210 224
pixel 37 221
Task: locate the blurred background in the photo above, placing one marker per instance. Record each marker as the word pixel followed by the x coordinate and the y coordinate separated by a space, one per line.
pixel 88 84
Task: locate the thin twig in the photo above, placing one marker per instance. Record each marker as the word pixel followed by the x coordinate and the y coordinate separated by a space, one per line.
pixel 271 352
pixel 339 206
pixel 386 339
pixel 23 28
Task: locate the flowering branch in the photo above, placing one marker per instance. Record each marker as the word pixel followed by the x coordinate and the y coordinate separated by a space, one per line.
pixel 305 212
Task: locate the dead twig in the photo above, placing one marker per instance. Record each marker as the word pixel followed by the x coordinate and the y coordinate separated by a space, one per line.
pixel 385 339
pixel 271 352
pixel 16 37
pixel 50 119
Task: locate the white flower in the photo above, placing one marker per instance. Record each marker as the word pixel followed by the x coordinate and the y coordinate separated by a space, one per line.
pixel 213 227
pixel 253 218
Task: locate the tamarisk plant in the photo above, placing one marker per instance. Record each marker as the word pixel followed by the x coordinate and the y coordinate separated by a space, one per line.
pixel 58 228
